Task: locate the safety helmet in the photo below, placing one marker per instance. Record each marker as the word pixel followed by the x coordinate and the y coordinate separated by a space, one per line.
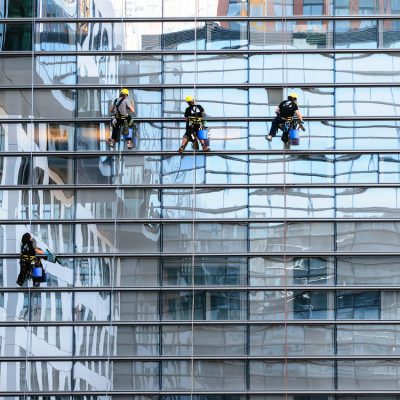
pixel 293 95
pixel 189 99
pixel 125 92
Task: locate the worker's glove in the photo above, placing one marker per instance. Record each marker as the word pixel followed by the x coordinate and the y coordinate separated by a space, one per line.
pixel 301 126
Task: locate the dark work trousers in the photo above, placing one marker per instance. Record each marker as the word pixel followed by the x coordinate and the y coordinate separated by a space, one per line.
pixel 275 124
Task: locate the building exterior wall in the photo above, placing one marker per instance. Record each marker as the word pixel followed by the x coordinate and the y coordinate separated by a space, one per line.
pixel 249 273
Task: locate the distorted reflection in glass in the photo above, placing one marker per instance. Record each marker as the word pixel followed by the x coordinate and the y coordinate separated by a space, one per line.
pixel 391 38
pixel 16 137
pixel 278 271
pixel 304 68
pixel 389 170
pixel 361 271
pixel 16 36
pixel 356 34
pixel 281 8
pixel 367 202
pixel 370 237
pixel 136 375
pixel 51 36
pixel 291 203
pixel 136 306
pixel 293 236
pixel 356 168
pixel 209 237
pixel 92 306
pixel 293 340
pixel 54 136
pixel 210 68
pixel 16 70
pixel 226 35
pixel 48 306
pixel 57 70
pixel 53 8
pixel 297 169
pixel 128 238
pixel 53 170
pixel 301 375
pixel 141 340
pixel 358 305
pixel 211 203
pixel 82 370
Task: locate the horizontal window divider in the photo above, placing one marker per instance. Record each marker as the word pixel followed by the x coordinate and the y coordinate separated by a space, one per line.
pixel 161 52
pixel 138 86
pixel 201 358
pixel 166 221
pixel 238 254
pixel 188 323
pixel 92 120
pixel 201 186
pixel 196 288
pixel 283 392
pixel 302 17
pixel 170 153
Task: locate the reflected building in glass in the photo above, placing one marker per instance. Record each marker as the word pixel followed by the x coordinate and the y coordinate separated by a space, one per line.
pixel 248 273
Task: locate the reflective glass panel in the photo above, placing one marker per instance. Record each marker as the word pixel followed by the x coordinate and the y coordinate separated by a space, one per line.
pixel 180 203
pixel 55 70
pixel 294 202
pixel 207 271
pixel 92 340
pixel 278 237
pixel 135 375
pixel 280 8
pixel 137 340
pixel 291 34
pixel 16 9
pixel 54 136
pixel 356 34
pixel 208 237
pixel 208 375
pixel 53 8
pixel 51 36
pixel 299 375
pixel 276 271
pixel 391 38
pixel 210 68
pixel 301 340
pixel 103 238
pixel 92 306
pixel 136 306
pixel 226 35
pixel 53 170
pixel 362 271
pixel 300 304
pixel 15 70
pixel 276 68
pixel 97 8
pixel 16 36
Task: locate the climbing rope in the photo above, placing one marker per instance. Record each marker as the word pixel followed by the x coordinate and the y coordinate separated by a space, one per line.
pixel 194 205
pixel 29 332
pixel 285 67
pixel 118 169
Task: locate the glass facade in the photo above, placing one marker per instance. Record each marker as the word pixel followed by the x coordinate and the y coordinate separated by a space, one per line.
pixel 247 273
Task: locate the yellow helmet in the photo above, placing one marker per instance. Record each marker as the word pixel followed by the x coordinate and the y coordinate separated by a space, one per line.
pixel 125 92
pixel 293 95
pixel 189 99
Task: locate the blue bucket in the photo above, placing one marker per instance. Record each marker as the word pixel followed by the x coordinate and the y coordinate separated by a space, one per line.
pixel 294 137
pixel 37 272
pixel 203 134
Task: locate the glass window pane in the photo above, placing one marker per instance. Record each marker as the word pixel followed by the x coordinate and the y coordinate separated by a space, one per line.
pixel 356 168
pixel 280 8
pixel 276 271
pixel 103 238
pixel 135 375
pixel 55 70
pixel 227 305
pixel 92 340
pixel 16 9
pixel 178 306
pixel 299 375
pixel 358 271
pixel 92 306
pixel 368 236
pixel 278 237
pixel 53 170
pixel 16 36
pixel 54 136
pixel 211 68
pixel 15 70
pixel 364 340
pixel 53 8
pixel 300 304
pixel 180 203
pixel 51 36
pixel 291 203
pixel 208 375
pixel 136 306
pixel 368 374
pixel 358 305
pixel 294 340
pixel 208 238
pixel 356 34
pixel 226 35
pixel 137 341
pixel 226 270
pixel 291 34
pixel 391 37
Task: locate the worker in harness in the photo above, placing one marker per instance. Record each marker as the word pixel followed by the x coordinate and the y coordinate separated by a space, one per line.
pixel 121 119
pixel 29 259
pixel 286 109
pixel 194 116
